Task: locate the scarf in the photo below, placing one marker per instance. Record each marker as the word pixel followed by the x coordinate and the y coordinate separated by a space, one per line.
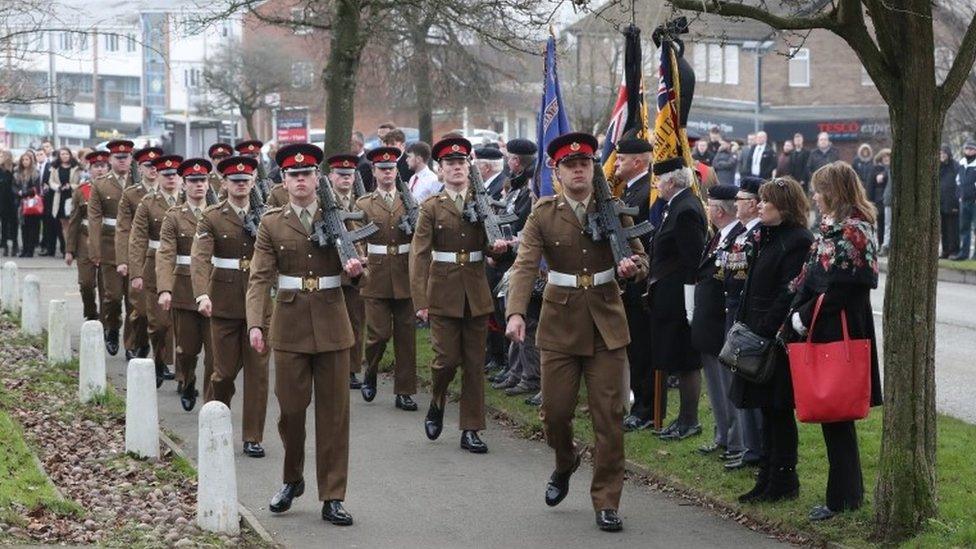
pixel 843 252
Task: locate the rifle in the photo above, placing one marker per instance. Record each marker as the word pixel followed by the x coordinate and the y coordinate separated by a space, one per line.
pixel 264 187
pixel 211 196
pixel 482 208
pixel 604 224
pixel 408 220
pixel 357 185
pixel 331 229
pixel 254 212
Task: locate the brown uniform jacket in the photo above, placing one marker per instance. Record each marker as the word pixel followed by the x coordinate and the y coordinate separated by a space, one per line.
pixel 278 196
pixel 444 288
pixel 388 274
pixel 131 198
pixel 176 239
pixel 145 227
pixel 303 321
pixel 76 239
pixel 220 233
pixel 104 204
pixel 569 315
pixel 216 183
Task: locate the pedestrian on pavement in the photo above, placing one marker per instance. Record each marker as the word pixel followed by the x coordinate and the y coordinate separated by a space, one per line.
pixel 881 196
pixel 703 152
pixel 745 155
pixel 824 154
pixel 801 157
pixel 724 163
pixel 28 183
pixel 841 269
pixel 762 158
pixel 582 332
pixel 948 203
pixel 310 333
pixel 63 177
pixel 966 181
pixel 76 237
pixel 864 166
pixel 9 204
pixel 423 182
pixel 783 245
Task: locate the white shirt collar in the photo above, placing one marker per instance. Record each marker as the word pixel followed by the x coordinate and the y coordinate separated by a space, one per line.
pixel 752 223
pixel 634 180
pixel 676 195
pixel 724 231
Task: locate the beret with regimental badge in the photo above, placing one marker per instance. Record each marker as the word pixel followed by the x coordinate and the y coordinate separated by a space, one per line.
pixel 120 147
pixel 167 165
pixel 147 155
pixel 96 157
pixel 572 145
pixel 251 147
pixel 219 150
pixel 194 168
pixel 633 145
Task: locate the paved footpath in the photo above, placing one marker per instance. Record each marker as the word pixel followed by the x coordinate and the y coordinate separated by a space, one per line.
pixel 407 491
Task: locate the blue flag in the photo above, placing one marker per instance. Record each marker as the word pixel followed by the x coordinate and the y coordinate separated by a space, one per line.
pixel 553 121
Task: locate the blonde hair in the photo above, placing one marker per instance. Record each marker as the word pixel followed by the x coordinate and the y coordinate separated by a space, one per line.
pixel 842 192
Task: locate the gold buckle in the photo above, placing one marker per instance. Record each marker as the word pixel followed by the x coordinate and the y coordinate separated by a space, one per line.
pixel 392 249
pixel 462 257
pixel 584 280
pixel 245 264
pixel 310 283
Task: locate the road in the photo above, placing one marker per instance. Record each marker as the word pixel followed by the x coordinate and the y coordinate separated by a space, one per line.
pixel 406 491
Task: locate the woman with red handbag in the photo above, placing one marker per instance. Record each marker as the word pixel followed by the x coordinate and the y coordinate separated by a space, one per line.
pixel 832 315
pixel 28 183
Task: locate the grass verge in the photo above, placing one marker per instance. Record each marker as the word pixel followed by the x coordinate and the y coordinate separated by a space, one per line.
pixel 969 265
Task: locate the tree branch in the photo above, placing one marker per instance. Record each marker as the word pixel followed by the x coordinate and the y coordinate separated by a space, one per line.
pixel 853 29
pixel 826 20
pixel 961 68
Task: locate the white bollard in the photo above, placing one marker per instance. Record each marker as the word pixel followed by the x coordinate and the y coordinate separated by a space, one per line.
pixel 91 361
pixel 8 288
pixel 30 313
pixel 58 336
pixel 217 509
pixel 141 413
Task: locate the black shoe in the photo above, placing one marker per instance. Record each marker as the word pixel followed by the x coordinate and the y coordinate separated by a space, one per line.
pixel 609 521
pixel 473 444
pixel 783 484
pixel 708 449
pixel 535 400
pixel 368 389
pixel 406 403
pixel 740 463
pixel 634 423
pixel 254 450
pixel 434 422
pixel 168 374
pixel 143 352
pixel 762 480
pixel 281 501
pixel 820 513
pixel 354 382
pixel 112 342
pixel 558 485
pixel 506 383
pixel 499 377
pixel 46 253
pixel 730 455
pixel 681 432
pixel 492 367
pixel 160 375
pixel 521 389
pixel 333 512
pixel 188 397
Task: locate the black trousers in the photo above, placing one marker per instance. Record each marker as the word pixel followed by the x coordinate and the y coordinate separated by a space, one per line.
pixel 781 439
pixel 9 229
pixel 950 233
pixel 639 357
pixel 53 237
pixel 31 234
pixel 845 484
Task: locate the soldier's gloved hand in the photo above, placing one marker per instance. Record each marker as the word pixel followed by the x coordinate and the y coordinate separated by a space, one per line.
pixel 422 314
pixel 257 339
pixel 68 258
pixel 354 267
pixel 165 300
pixel 515 329
pixel 122 269
pixel 205 306
pixel 136 283
pixel 627 267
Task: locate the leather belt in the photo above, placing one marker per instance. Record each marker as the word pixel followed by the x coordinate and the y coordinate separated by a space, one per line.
pixel 309 283
pixel 182 260
pixel 585 280
pixel 459 258
pixel 154 244
pixel 392 249
pixel 110 221
pixel 231 263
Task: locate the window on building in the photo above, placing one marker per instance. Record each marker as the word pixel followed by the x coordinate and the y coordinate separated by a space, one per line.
pixel 701 62
pixel 731 54
pixel 83 41
pixel 301 74
pixel 192 78
pixel 799 68
pixel 66 42
pixel 111 42
pixel 130 42
pixel 716 63
pixel 298 17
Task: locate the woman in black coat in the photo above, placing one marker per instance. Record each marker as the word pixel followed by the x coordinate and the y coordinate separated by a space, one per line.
pixel 783 244
pixel 8 205
pixel 948 202
pixel 843 267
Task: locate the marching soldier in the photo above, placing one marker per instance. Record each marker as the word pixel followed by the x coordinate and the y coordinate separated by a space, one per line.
pixel 450 289
pixel 136 304
pixel 310 333
pixel 582 328
pixel 143 243
pixel 76 241
pixel 103 209
pixel 173 282
pixel 387 290
pixel 220 262
pixel 218 152
pixel 341 173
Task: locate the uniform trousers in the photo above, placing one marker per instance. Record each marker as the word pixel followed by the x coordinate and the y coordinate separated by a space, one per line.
pixel 460 342
pixel 113 285
pixel 232 351
pixel 88 283
pixel 136 333
pixel 845 483
pixel 604 376
pixel 160 324
pixel 718 379
pixel 191 331
pixel 296 376
pixel 357 317
pixel 386 318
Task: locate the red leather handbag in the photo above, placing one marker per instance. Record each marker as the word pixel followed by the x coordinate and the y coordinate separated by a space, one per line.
pixel 32 206
pixel 831 381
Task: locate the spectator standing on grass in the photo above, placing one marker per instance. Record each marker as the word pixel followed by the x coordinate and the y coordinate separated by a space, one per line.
pixel 948 203
pixel 966 181
pixel 881 196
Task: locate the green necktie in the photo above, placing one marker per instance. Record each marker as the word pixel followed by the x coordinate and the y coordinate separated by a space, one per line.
pixel 171 201
pixel 306 219
pixel 389 198
pixel 459 203
pixel 197 213
pixel 580 212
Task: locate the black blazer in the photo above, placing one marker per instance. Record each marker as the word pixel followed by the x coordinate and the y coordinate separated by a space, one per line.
pixel 494 190
pixel 365 168
pixel 637 195
pixel 403 169
pixel 708 320
pixel 766 165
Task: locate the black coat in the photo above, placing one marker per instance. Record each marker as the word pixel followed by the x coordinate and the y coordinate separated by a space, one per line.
pixel 764 308
pixel 877 189
pixel 494 190
pixel 766 165
pixel 799 172
pixel 948 191
pixel 403 168
pixel 8 195
pixel 819 159
pixel 638 196
pixel 674 257
pixel 708 321
pixel 864 169
pixel 365 168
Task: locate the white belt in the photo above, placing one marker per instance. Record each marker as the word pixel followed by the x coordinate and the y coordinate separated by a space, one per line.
pixel 308 283
pixel 182 260
pixel 154 244
pixel 84 222
pixel 584 280
pixel 231 263
pixel 110 221
pixel 392 249
pixel 459 257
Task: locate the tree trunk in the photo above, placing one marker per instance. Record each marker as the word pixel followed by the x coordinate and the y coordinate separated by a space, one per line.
pixel 420 71
pixel 906 489
pixel 248 116
pixel 339 76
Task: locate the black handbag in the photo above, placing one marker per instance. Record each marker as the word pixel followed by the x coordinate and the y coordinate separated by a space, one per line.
pixel 747 354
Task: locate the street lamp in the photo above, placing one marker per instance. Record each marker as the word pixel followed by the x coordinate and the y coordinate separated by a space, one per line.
pixel 760 48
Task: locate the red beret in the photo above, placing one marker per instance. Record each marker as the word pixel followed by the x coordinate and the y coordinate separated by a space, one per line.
pixel 194 168
pixel 237 165
pixel 120 146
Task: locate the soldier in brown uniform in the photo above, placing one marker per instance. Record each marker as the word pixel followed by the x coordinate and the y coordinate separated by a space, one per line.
pixel 278 196
pixel 76 239
pixel 136 302
pixel 220 262
pixel 103 208
pixel 143 243
pixel 310 333
pixel 217 153
pixel 389 309
pixel 191 330
pixel 582 329
pixel 450 289
pixel 341 177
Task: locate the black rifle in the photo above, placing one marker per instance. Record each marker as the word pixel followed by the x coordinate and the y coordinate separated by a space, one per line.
pixel 357 185
pixel 408 220
pixel 211 197
pixel 482 209
pixel 255 210
pixel 264 188
pixel 604 224
pixel 331 229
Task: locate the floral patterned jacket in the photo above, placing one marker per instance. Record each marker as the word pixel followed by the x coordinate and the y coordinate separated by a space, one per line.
pixel 844 252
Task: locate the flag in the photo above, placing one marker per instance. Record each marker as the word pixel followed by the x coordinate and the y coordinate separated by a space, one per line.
pixel 553 121
pixel 630 111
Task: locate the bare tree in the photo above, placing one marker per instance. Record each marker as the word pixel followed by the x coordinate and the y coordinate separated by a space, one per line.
pixel 961 118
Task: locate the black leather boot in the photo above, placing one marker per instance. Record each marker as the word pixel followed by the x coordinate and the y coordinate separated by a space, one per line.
pixel 762 480
pixel 783 484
